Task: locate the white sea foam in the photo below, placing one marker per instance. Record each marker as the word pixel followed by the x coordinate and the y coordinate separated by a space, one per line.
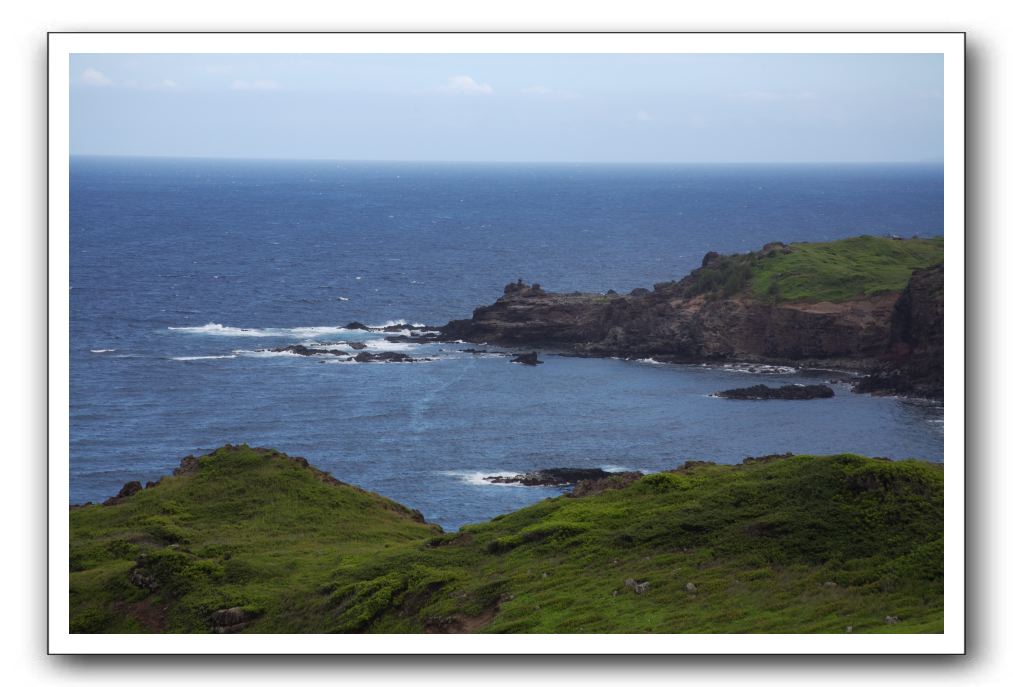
pixel 215 329
pixel 311 332
pixel 477 479
pixel 342 298
pixel 103 350
pixel 203 357
pixel 618 468
pixel 649 361
pixel 384 345
pixel 266 354
pixel 753 368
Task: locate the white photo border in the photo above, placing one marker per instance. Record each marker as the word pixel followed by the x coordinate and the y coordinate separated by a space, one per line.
pixel 63 45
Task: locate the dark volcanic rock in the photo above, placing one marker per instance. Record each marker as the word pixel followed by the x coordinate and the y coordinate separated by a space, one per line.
pixel 528 358
pixel 421 337
pixel 299 349
pixel 678 322
pixel 355 324
pixel 229 620
pixel 614 480
pixel 129 489
pixel 791 392
pixel 552 477
pixel 913 363
pixel 689 329
pixel 522 290
pixel 188 466
pixel 475 351
pixel 383 357
pixel 355 345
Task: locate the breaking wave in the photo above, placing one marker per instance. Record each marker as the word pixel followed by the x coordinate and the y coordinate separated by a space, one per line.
pixel 215 329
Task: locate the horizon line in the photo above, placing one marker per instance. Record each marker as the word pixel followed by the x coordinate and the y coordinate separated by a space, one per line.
pixel 925 161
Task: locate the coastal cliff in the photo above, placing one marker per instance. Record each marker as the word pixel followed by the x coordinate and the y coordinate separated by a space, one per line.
pixel 844 303
pixel 913 362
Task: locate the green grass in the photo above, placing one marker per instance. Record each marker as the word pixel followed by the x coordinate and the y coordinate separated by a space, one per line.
pixel 842 270
pixel 834 271
pixel 248 529
pixel 799 544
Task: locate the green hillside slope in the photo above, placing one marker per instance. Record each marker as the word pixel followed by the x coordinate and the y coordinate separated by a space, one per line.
pixel 256 542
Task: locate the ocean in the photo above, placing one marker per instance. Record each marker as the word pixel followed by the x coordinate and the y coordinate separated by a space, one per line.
pixel 183 273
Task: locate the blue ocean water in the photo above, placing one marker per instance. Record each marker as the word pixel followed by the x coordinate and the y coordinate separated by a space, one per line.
pixel 184 271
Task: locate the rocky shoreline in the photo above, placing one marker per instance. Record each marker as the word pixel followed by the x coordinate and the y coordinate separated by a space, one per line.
pixel 895 338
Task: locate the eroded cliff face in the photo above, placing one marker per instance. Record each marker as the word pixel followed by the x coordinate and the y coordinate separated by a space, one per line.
pixel 913 361
pixel 669 326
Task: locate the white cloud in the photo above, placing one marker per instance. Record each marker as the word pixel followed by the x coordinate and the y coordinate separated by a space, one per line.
pixel 94 77
pixel 537 90
pixel 465 84
pixel 169 83
pixel 644 116
pixel 257 85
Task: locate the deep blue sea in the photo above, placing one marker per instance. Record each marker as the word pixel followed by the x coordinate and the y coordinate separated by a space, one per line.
pixel 184 271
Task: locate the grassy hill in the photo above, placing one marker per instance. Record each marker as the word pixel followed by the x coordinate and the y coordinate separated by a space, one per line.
pixel 834 271
pixel 787 544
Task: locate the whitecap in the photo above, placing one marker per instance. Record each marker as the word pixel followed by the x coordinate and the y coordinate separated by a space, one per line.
pixel 477 479
pixel 203 357
pixel 103 350
pixel 619 468
pixel 309 332
pixel 216 329
pixel 754 368
pixel 384 345
pixel 267 354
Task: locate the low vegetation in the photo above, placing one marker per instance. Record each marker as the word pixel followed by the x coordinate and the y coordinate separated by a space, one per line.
pixel 778 545
pixel 834 271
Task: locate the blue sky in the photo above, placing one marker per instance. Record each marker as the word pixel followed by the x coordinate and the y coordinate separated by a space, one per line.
pixel 539 108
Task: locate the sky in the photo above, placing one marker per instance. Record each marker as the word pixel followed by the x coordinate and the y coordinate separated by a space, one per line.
pixel 723 108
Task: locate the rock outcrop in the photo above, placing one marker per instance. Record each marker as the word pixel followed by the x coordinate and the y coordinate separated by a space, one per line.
pixel 128 490
pixel 672 327
pixel 913 362
pixel 299 349
pixel 790 392
pixel 527 359
pixel 552 477
pixel 898 336
pixel 384 357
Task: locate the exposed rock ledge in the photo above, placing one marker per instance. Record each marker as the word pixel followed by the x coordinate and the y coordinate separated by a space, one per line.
pixel 672 328
pixel 790 392
pixel 898 337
